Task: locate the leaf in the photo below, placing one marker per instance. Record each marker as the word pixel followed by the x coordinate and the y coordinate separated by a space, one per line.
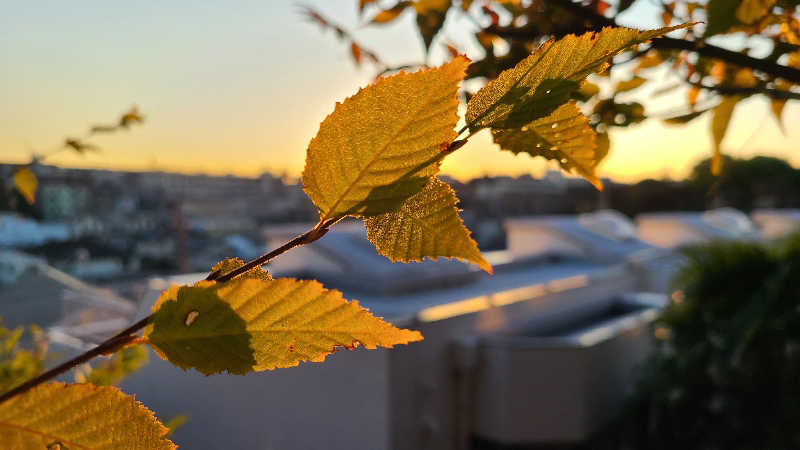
pixel 777 110
pixel 684 119
pixel 79 146
pixel 79 416
pixel 721 16
pixel 379 146
pixel 565 136
pixel 629 85
pixel 113 370
pixel 648 60
pixel 131 117
pixel 246 325
pixel 392 13
pixel 226 265
pixel 719 125
pixel 692 95
pixel 26 184
pixel 544 80
pixel 363 4
pixel 355 50
pixel 431 15
pixel 427 225
pixel 750 11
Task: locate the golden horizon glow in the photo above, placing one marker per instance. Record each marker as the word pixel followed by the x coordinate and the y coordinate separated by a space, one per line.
pixel 221 97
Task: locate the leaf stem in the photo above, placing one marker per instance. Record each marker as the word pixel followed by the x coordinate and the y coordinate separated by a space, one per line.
pixel 111 345
pixel 127 335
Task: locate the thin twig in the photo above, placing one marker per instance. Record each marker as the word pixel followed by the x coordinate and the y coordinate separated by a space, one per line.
pixel 109 346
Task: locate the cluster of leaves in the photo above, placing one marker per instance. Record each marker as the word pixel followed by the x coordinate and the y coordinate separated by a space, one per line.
pixel 17 363
pixel 375 157
pixel 23 178
pixel 717 79
pixel 724 374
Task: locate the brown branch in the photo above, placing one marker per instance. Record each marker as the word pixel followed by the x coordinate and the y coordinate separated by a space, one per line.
pixel 127 335
pixel 667 43
pixel 111 345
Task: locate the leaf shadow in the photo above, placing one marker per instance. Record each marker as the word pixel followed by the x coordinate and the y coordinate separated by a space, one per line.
pixel 199 330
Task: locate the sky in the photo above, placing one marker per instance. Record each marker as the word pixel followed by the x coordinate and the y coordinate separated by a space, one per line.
pixel 240 87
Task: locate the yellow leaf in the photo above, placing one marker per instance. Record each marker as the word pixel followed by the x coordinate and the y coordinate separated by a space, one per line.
pixel 649 60
pixel 246 325
pixel 392 13
pixel 427 225
pixel 544 80
pixel 79 416
pixel 692 95
pixel 26 184
pixel 778 104
pixel 629 85
pixel 380 146
pixel 229 264
pixel 565 136
pixel 777 110
pixel 719 125
pixel 750 11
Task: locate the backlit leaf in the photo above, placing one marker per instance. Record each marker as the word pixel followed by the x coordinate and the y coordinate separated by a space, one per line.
pixel 26 183
pixel 79 416
pixel 246 325
pixel 392 13
pixel 380 146
pixel 629 85
pixel 749 11
pixel 229 264
pixel 431 15
pixel 564 135
pixel 777 106
pixel 719 125
pixel 544 80
pixel 692 94
pixel 427 225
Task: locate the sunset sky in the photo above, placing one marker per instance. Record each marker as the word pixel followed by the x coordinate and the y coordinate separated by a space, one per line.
pixel 241 87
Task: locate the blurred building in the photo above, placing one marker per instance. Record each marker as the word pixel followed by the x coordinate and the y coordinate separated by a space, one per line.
pixel 540 353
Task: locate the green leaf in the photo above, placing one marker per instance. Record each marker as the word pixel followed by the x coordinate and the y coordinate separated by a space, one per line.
pixel 719 126
pixel 246 325
pixel 379 147
pixel 564 136
pixel 427 225
pixel 79 416
pixel 544 80
pixel 629 85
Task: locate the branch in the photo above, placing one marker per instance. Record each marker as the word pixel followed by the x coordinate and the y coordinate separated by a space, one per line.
pixel 776 94
pixel 127 335
pixel 701 48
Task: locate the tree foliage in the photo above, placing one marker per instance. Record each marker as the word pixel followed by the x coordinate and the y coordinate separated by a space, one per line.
pixel 716 74
pixel 375 157
pixel 724 374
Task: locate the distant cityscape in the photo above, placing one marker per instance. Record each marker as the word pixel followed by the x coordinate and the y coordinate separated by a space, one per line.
pixel 108 225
